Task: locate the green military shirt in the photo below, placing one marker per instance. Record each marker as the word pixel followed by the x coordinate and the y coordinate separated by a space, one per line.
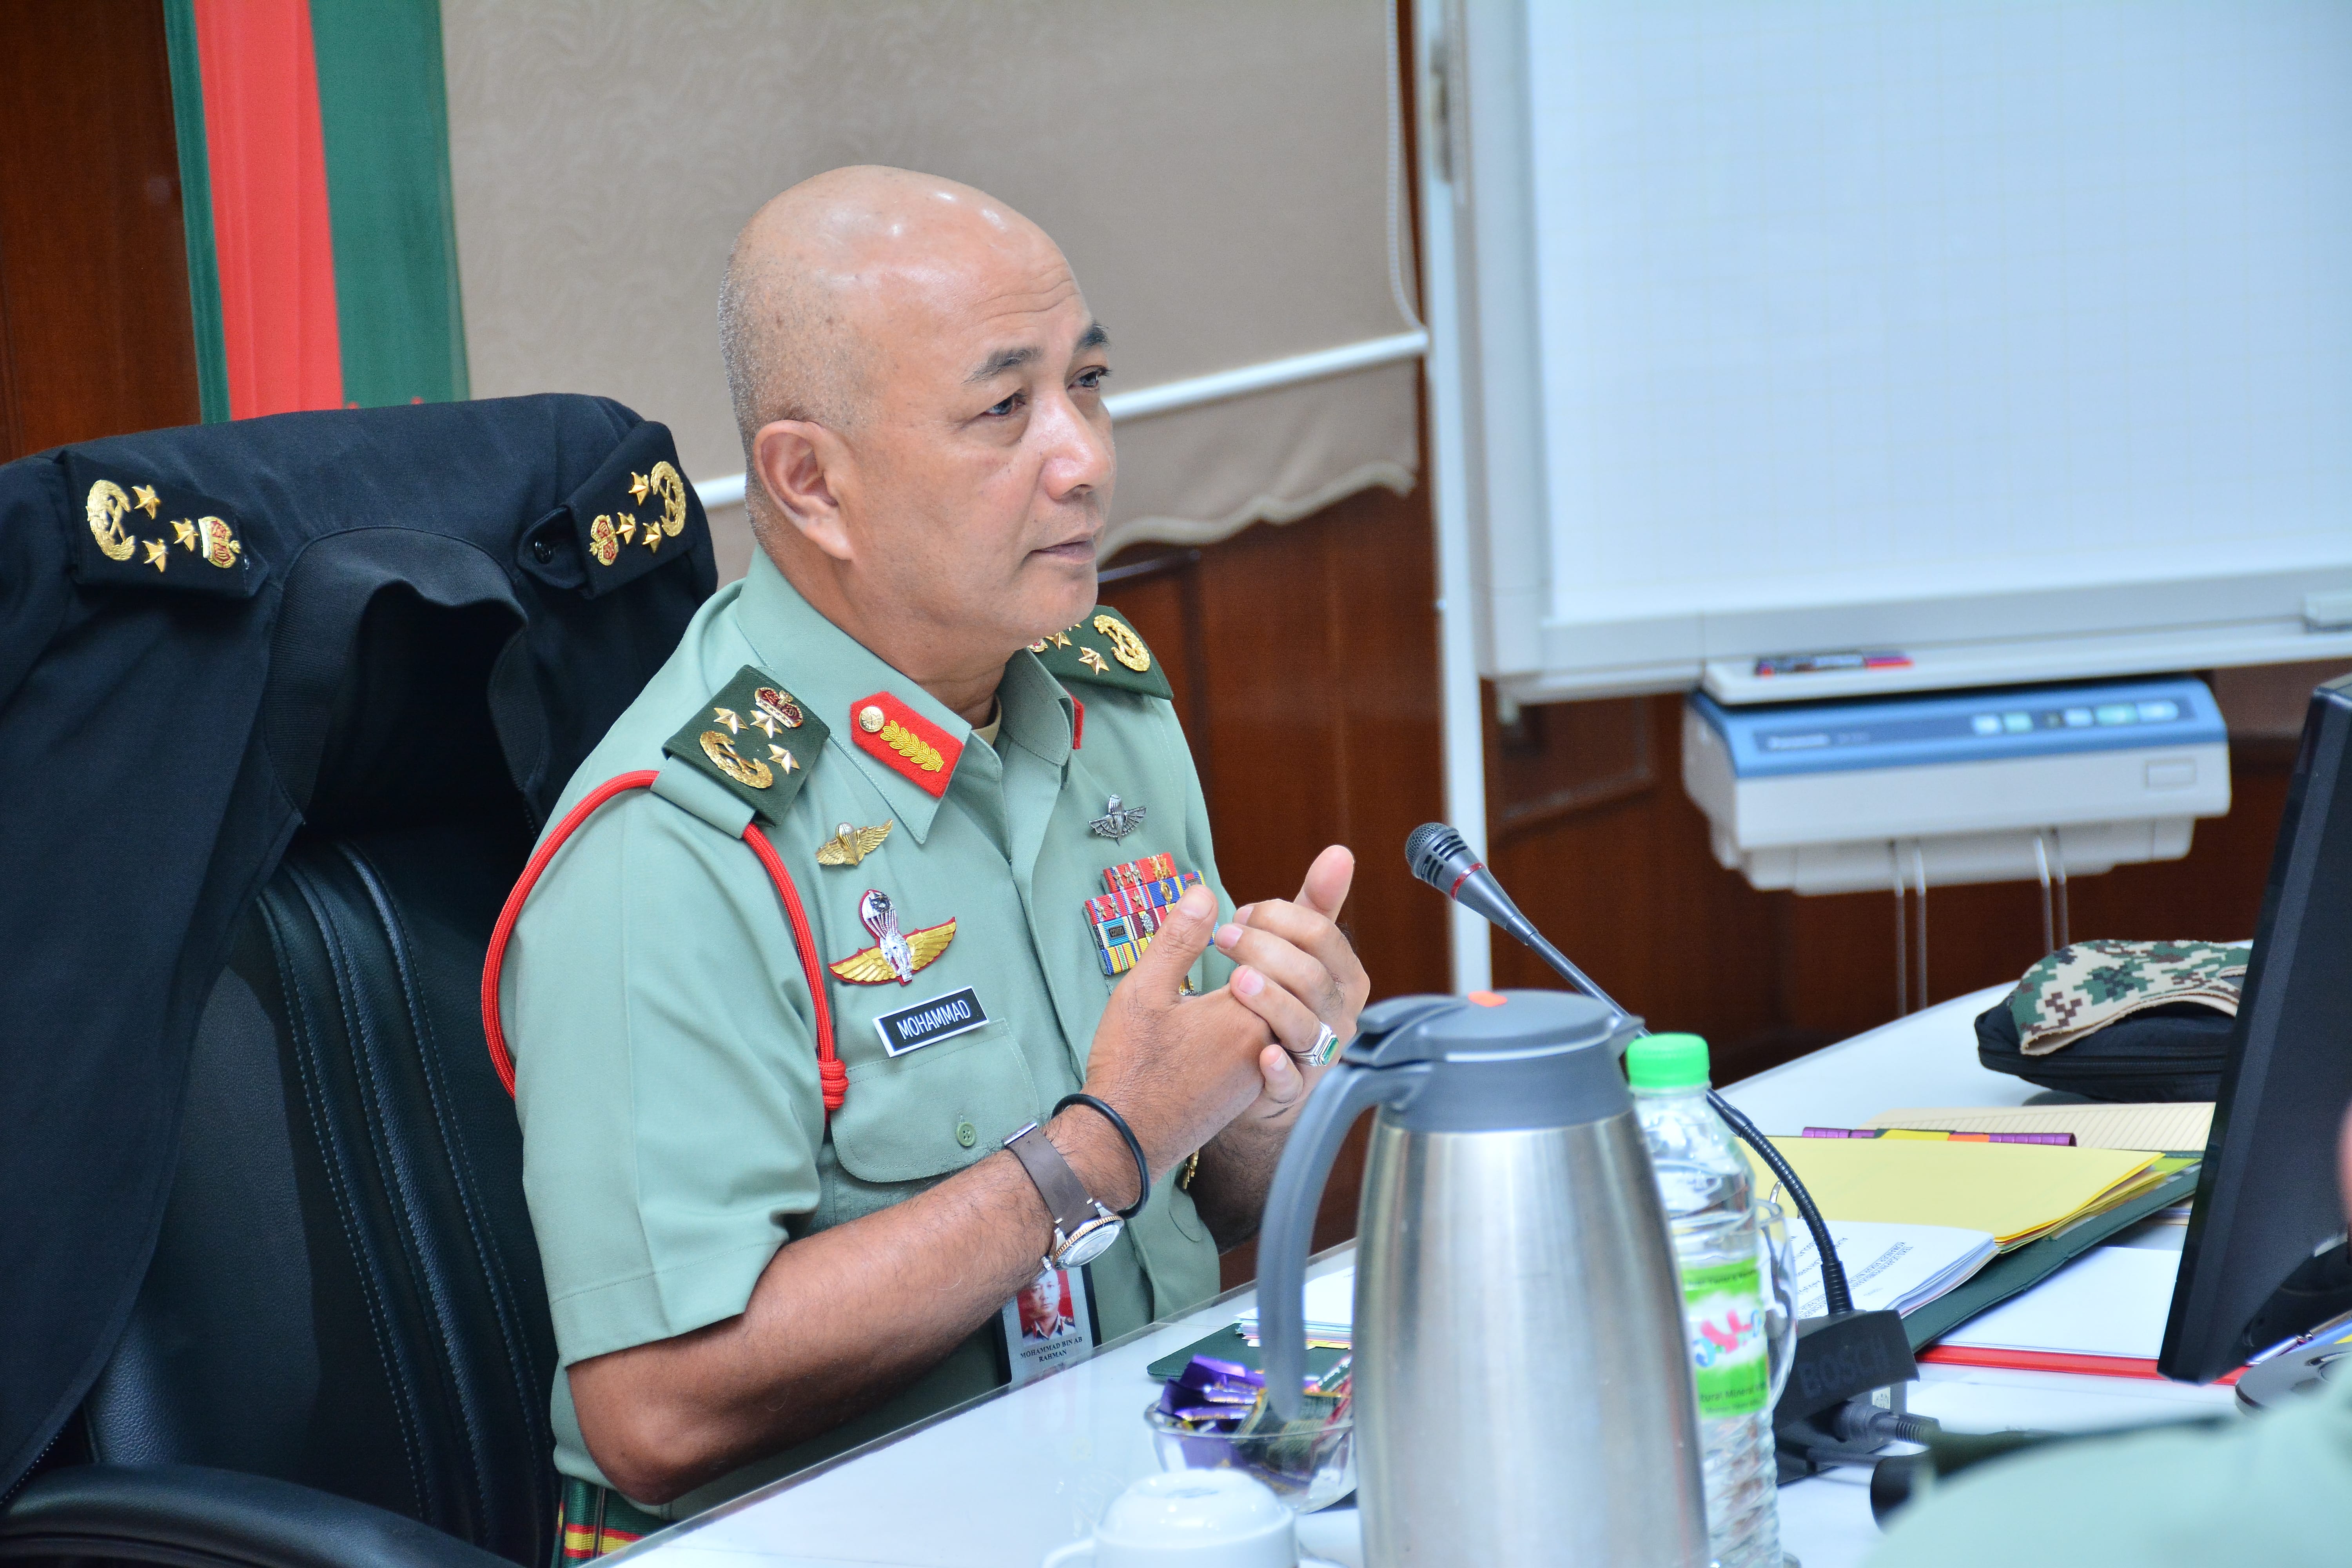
pixel 2274 1489
pixel 674 1130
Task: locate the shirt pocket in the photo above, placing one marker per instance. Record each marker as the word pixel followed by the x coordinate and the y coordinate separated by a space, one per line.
pixel 935 1109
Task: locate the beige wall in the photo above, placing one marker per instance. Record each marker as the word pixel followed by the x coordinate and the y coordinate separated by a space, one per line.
pixel 1216 171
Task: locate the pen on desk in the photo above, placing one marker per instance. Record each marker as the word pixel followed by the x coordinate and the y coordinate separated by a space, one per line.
pixel 2053 1140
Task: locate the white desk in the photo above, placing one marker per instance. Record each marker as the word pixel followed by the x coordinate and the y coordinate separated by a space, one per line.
pixel 1007 1478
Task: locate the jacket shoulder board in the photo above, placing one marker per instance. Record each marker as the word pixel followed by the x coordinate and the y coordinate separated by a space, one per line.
pixel 756 739
pixel 1102 649
pixel 142 533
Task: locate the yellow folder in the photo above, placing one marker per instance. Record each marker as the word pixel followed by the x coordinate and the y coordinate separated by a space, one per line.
pixel 2015 1191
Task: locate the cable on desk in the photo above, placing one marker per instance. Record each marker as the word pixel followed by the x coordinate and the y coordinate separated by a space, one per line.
pixel 1837 1296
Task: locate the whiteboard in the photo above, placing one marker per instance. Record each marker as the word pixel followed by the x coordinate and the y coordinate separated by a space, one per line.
pixel 2014 336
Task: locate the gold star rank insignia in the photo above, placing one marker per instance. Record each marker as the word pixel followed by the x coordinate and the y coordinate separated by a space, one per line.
pixel 728 717
pixel 765 722
pixel 147 501
pixel 155 549
pixel 638 486
pixel 1093 662
pixel 183 533
pixel 785 762
pixel 653 537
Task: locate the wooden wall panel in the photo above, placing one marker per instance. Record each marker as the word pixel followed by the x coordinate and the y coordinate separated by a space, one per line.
pixel 95 333
pixel 1304 658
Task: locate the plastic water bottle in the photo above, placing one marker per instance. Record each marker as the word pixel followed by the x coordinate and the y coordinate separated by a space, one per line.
pixel 1703 1179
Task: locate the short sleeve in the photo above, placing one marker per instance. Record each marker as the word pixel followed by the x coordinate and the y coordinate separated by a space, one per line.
pixel 664 1076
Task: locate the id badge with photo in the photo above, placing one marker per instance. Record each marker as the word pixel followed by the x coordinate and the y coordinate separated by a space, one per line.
pixel 1049 1325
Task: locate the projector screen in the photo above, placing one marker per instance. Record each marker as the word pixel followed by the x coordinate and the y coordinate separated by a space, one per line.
pixel 2014 337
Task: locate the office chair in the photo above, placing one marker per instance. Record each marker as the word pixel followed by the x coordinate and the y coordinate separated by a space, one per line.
pixel 339 1352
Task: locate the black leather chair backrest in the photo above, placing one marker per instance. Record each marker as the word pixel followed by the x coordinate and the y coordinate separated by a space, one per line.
pixel 346 1292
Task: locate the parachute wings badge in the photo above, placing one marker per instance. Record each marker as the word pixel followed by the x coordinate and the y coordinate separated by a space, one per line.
pixel 850 844
pixel 894 955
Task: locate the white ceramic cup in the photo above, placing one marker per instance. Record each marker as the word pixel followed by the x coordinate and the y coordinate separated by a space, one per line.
pixel 1191 1519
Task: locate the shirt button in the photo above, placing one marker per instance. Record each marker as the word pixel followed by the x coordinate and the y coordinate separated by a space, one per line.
pixel 869 719
pixel 967 1134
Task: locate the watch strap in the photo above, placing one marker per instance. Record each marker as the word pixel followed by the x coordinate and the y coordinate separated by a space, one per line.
pixel 1066 1196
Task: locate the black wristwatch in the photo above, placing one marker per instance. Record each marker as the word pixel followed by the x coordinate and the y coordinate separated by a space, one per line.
pixel 1082 1228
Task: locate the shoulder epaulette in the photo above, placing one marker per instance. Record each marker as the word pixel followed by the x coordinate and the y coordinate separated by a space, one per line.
pixel 755 738
pixel 142 533
pixel 1102 649
pixel 635 512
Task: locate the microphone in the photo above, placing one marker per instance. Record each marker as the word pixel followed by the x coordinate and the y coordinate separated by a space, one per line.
pixel 1439 858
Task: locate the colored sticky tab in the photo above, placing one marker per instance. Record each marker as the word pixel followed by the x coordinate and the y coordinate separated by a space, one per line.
pixel 904 742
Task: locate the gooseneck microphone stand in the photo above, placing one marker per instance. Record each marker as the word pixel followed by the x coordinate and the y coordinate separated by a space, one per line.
pixel 1439 858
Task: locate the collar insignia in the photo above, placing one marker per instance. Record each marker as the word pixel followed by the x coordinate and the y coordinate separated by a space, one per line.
pixel 904 742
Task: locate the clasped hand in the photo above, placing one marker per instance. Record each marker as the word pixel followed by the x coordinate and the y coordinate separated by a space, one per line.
pixel 1297 970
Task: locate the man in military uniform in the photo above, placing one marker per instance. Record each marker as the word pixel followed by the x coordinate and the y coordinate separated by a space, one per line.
pixel 978 791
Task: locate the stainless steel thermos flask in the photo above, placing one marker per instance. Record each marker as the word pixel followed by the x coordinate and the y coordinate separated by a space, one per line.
pixel 1522 1388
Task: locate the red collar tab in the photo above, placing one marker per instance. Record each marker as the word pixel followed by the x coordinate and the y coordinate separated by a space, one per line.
pixel 1077 723
pixel 904 742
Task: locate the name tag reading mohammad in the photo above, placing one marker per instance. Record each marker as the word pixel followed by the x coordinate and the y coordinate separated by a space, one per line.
pixel 924 1023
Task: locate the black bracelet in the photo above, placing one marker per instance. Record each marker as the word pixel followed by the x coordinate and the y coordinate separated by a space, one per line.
pixel 1142 1168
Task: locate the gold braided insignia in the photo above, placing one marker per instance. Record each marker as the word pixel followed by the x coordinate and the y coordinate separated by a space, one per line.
pixel 1125 645
pixel 744 769
pixel 106 505
pixel 912 747
pixel 666 483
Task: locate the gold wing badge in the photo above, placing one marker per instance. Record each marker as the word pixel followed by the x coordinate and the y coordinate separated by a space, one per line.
pixel 850 844
pixel 892 956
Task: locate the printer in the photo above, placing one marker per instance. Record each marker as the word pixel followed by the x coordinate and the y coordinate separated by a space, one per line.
pixel 1985 786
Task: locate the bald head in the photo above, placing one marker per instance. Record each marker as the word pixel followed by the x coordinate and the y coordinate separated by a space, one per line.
pixel 822 274
pixel 918 384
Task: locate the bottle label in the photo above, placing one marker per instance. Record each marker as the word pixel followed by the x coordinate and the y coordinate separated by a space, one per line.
pixel 1723 1303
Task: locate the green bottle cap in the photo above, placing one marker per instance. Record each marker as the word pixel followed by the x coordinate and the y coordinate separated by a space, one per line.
pixel 1667 1061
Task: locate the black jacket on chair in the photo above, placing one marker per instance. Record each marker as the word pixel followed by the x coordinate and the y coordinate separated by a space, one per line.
pixel 282 705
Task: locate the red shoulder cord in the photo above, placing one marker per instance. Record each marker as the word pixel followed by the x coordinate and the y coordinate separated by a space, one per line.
pixel 830 1072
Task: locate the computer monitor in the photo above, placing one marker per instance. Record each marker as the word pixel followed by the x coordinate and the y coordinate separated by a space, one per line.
pixel 2268 1213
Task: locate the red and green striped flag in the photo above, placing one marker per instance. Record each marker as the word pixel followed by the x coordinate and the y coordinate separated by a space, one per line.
pixel 314 170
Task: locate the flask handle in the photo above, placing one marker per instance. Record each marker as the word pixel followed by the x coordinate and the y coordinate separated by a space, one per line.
pixel 1345 1093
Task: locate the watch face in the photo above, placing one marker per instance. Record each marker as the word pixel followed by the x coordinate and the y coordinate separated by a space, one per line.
pixel 1094 1240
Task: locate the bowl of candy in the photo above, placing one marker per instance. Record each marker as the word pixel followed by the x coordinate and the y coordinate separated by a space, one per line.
pixel 1214 1417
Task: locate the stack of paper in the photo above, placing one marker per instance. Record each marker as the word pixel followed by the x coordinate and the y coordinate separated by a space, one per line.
pixel 2112 1300
pixel 1902 1266
pixel 2015 1192
pixel 2181 1127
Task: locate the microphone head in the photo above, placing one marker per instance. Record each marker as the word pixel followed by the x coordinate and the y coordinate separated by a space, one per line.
pixel 1438 856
